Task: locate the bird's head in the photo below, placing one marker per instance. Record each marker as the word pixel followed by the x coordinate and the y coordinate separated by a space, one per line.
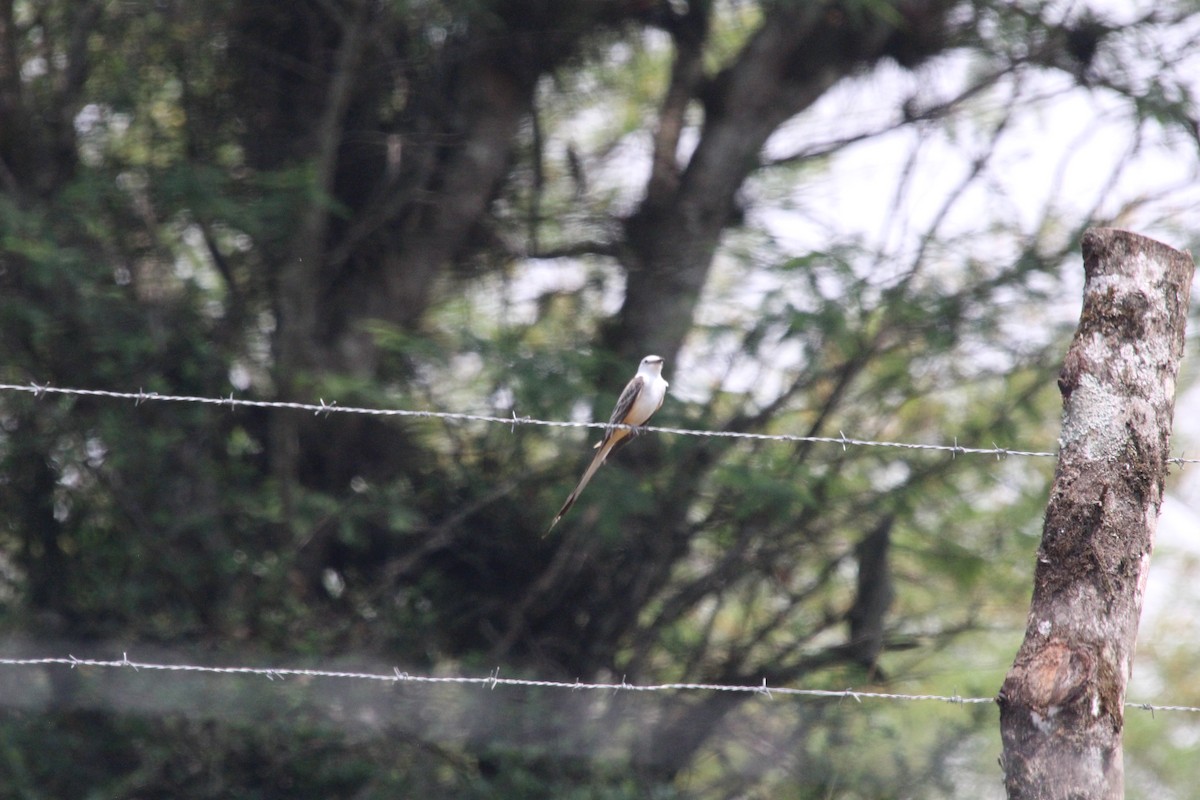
pixel 651 364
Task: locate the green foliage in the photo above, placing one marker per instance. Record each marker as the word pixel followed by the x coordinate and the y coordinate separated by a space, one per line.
pixel 166 252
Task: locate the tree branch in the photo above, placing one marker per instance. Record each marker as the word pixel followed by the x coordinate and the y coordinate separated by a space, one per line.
pixel 795 56
pixel 686 74
pixel 592 247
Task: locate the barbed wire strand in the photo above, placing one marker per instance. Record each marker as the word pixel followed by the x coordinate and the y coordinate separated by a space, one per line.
pixel 322 407
pixel 494 680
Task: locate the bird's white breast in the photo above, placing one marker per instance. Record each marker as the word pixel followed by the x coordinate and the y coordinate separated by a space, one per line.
pixel 654 390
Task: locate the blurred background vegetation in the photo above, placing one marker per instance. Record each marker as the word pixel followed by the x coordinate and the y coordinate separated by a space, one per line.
pixel 810 210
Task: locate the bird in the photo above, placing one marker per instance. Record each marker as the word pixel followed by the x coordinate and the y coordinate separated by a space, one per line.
pixel 642 396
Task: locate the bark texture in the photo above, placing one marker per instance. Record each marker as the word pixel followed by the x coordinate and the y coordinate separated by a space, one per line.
pixel 1062 703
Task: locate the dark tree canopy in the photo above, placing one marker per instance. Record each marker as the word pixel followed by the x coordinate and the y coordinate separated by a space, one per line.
pixel 499 207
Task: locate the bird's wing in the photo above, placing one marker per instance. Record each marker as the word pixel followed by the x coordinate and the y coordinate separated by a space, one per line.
pixel 625 402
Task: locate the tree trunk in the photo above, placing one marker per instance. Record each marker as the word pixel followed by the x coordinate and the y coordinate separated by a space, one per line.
pixel 798 53
pixel 1062 704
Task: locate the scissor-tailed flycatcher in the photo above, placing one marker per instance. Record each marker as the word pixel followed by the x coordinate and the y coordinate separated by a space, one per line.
pixel 642 397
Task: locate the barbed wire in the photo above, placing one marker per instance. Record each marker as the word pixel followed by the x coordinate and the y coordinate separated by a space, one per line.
pixel 494 680
pixel 322 407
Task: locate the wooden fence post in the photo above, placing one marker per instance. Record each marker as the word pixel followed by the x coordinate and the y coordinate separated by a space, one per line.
pixel 1062 703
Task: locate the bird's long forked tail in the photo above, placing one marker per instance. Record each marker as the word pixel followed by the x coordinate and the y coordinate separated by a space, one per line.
pixel 606 447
